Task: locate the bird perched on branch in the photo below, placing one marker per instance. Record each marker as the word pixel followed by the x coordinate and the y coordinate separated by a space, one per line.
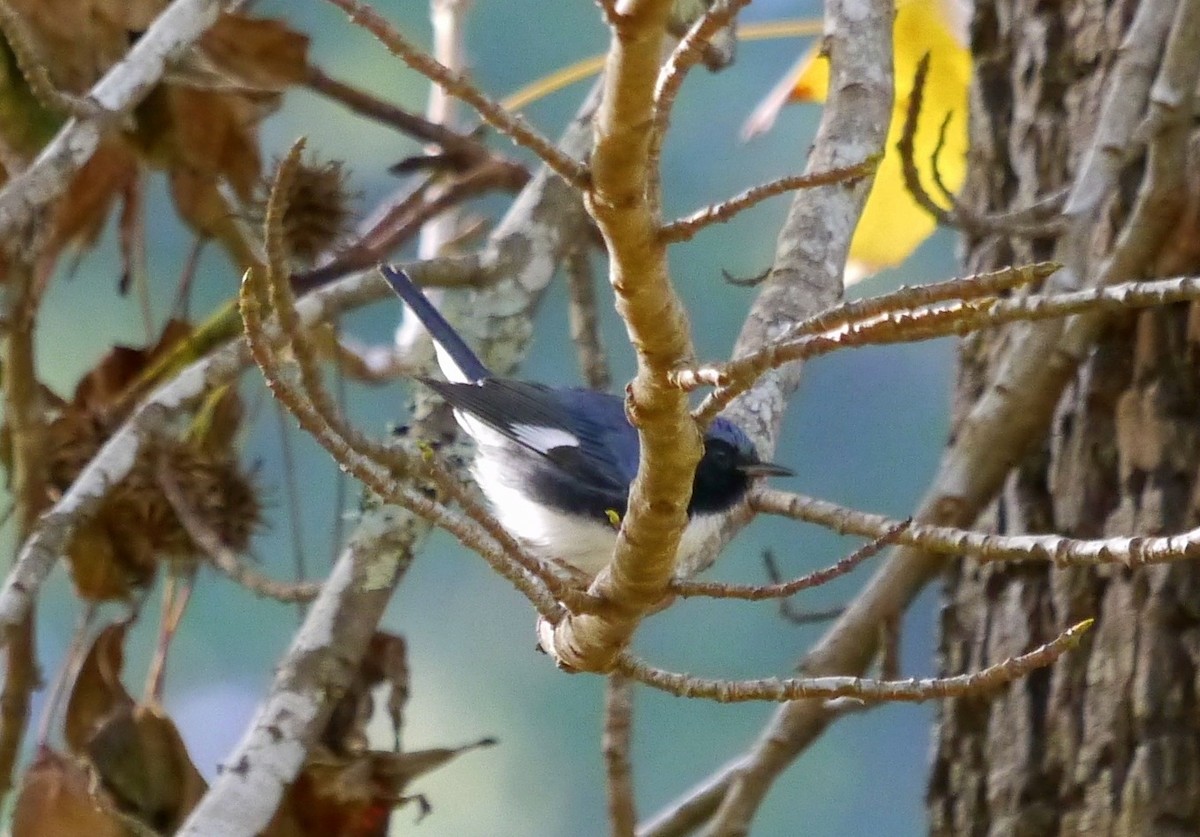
pixel 556 463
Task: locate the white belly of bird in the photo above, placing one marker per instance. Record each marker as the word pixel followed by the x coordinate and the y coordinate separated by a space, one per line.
pixel 564 539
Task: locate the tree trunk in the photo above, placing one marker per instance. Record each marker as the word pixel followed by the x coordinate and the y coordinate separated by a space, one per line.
pixel 1108 741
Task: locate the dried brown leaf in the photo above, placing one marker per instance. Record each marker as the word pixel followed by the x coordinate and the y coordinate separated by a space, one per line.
pixel 260 52
pixel 384 662
pixel 98 691
pixel 55 800
pixel 142 761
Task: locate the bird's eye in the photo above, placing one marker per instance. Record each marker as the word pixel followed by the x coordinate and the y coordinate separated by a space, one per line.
pixel 721 456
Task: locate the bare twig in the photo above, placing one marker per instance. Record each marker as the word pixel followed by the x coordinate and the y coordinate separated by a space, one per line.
pixel 957 216
pixel 511 125
pixel 401 221
pixel 223 558
pixel 1131 551
pixel 781 589
pixel 27 475
pixel 687 53
pixel 33 69
pixel 295 520
pixel 584 321
pixel 686 227
pixel 912 690
pixel 930 322
pixel 860 313
pixel 905 147
pixel 463 151
pixel 615 744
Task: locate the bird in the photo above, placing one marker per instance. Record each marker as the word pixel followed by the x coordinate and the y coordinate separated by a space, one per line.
pixel 556 463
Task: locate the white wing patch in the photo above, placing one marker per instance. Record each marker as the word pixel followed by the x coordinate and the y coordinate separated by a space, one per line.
pixel 544 438
pixel 450 369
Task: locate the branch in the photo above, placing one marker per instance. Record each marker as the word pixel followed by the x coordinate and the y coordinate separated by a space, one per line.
pixel 121 89
pixel 1060 549
pixel 222 557
pixel 615 744
pixel 758 592
pixel 928 323
pixel 462 150
pixel 913 690
pixel 685 228
pixel 457 85
pixel 670 445
pixel 584 320
pixel 687 53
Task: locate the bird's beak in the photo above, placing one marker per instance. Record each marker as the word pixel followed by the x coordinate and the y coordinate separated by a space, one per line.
pixel 765 469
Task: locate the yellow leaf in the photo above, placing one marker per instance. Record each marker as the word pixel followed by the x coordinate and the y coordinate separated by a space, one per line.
pixel 892 223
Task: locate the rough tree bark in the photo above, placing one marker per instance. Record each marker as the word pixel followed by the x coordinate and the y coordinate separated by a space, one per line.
pixel 1108 741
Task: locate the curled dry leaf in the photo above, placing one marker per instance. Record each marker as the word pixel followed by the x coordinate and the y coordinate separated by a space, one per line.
pixel 354 796
pixel 135 750
pixel 57 799
pixel 98 691
pixel 346 788
pixel 144 765
pixel 385 662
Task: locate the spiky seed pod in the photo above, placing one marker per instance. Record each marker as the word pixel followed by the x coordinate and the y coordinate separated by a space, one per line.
pixel 117 550
pixel 319 211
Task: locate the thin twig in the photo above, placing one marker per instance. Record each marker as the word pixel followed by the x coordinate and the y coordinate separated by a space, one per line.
pixel 176 594
pixel 685 228
pixel 687 53
pixel 292 492
pixel 33 70
pixel 584 320
pixel 1131 551
pixel 905 147
pixel 223 558
pixel 758 592
pixel 464 151
pixel 615 744
pixel 899 303
pixel 930 322
pixel 401 222
pixel 958 216
pixel 914 690
pixel 511 125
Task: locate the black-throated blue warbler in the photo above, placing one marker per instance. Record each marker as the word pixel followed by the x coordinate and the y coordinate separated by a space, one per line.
pixel 556 463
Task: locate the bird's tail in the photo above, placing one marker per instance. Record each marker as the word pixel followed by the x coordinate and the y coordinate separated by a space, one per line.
pixel 458 362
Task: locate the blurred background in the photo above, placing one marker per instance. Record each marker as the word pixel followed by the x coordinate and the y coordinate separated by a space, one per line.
pixel 865 430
